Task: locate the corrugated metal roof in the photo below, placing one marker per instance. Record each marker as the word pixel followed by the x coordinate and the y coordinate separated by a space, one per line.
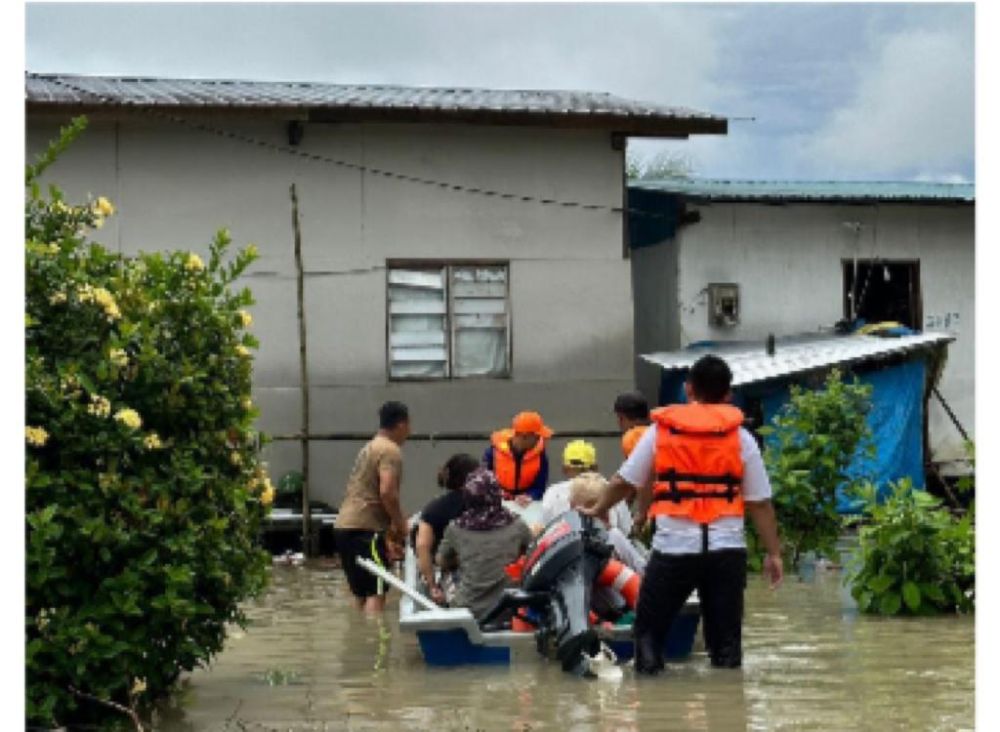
pixel 565 108
pixel 750 363
pixel 750 190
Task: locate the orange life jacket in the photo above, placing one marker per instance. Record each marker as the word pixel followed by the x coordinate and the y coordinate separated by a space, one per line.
pixel 515 476
pixel 698 466
pixel 631 438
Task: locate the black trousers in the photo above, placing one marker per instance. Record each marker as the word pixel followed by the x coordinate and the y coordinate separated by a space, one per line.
pixel 720 578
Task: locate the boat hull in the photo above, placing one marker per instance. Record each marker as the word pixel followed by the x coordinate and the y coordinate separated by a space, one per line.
pixel 452 637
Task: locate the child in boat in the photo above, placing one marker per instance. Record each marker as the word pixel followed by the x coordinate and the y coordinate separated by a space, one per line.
pixel 608 602
pixel 481 542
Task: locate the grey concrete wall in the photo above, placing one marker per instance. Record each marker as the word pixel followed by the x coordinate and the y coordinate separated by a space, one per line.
pixel 572 321
pixel 787 261
pixel 654 284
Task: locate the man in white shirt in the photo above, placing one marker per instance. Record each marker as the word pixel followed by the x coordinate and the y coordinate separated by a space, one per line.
pixel 697 482
pixel 580 457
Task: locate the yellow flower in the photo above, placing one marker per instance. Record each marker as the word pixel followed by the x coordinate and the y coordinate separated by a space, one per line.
pixel 129 417
pixel 99 406
pixel 61 207
pixel 247 404
pixel 85 293
pixel 245 318
pixel 118 357
pixel 251 250
pixel 138 686
pixel 36 436
pixel 98 222
pixel 235 458
pixel 152 441
pixel 242 350
pixel 194 263
pixel 103 206
pixel 267 497
pixel 57 298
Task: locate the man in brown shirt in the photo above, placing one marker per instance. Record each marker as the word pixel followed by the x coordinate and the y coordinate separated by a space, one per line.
pixel 370 522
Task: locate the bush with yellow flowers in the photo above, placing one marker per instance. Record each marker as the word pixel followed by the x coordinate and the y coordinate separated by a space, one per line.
pixel 144 490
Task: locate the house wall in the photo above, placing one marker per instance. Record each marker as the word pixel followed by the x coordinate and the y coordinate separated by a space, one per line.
pixel 787 261
pixel 571 303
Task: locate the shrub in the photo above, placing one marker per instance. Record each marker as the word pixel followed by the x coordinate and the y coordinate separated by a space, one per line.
pixel 144 493
pixel 811 446
pixel 914 556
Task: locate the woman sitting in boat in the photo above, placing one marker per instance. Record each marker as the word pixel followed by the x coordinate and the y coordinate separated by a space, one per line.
pixel 481 542
pixel 434 519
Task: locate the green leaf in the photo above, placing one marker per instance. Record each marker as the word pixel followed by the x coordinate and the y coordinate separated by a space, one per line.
pixel 890 603
pixel 911 595
pixel 881 583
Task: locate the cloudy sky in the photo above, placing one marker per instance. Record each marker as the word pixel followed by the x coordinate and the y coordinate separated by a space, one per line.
pixel 815 91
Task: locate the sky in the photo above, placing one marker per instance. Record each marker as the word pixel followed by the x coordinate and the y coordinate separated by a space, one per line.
pixel 813 91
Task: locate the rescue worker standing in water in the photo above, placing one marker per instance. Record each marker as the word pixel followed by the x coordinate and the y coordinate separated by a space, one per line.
pixel 516 456
pixel 699 472
pixel 632 412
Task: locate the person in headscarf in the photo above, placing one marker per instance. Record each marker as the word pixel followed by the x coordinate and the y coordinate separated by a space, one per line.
pixel 482 541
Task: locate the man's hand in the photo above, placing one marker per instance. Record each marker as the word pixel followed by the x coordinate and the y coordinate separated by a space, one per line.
pixel 394 550
pixel 774 569
pixel 522 499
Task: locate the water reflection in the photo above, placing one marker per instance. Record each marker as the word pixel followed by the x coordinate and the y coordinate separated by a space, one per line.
pixel 308 661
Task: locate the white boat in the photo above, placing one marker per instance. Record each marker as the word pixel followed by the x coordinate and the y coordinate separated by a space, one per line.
pixel 452 637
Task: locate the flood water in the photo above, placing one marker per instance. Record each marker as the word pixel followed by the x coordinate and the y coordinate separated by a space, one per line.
pixel 309 661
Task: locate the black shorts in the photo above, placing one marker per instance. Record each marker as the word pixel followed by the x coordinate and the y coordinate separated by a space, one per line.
pixel 354 543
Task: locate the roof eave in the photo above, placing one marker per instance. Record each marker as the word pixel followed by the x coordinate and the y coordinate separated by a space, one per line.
pixel 629 125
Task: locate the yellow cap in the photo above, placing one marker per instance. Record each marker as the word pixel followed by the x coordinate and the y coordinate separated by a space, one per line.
pixel 580 454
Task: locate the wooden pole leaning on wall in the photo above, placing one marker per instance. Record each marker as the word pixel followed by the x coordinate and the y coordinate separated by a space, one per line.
pixel 307 548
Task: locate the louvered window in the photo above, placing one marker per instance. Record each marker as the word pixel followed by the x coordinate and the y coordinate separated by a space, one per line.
pixel 449 321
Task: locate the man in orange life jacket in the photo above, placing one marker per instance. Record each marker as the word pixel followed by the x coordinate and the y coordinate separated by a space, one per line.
pixel 698 471
pixel 517 458
pixel 632 411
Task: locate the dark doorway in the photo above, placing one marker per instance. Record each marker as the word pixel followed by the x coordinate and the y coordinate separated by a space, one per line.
pixel 883 290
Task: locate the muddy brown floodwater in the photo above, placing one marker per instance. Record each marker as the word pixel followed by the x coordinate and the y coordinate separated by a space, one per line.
pixel 308 661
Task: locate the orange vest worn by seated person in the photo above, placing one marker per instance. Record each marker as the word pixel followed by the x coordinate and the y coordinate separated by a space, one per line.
pixel 511 476
pixel 698 468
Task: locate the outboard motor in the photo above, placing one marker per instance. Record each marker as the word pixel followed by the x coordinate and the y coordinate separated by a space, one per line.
pixel 559 572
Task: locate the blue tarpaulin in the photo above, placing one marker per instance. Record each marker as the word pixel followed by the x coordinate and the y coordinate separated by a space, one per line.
pixel 896 421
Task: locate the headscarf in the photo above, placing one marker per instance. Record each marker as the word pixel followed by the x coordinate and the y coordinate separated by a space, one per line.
pixel 484 509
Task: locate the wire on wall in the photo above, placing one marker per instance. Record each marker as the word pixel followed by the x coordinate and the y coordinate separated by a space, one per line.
pixel 380 172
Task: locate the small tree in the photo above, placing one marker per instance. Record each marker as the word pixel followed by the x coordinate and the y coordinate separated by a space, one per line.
pixel 812 442
pixel 914 556
pixel 144 493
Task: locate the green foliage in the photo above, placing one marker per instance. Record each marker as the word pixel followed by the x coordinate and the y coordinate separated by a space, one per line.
pixel 144 492
pixel 813 440
pixel 915 557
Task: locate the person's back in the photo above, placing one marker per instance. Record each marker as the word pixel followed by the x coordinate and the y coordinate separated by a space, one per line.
pixel 482 557
pixel 362 507
pixel 481 542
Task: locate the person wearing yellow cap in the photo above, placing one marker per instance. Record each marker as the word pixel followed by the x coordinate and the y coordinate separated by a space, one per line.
pixel 579 458
pixel 516 456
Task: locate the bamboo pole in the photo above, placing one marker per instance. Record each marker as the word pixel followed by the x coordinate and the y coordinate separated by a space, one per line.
pixel 303 377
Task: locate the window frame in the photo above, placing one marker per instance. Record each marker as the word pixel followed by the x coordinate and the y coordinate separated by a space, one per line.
pixel 450 332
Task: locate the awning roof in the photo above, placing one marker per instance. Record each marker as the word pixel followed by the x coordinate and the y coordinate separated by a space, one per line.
pixel 751 364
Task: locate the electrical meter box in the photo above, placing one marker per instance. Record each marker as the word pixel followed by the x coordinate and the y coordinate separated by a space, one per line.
pixel 723 304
